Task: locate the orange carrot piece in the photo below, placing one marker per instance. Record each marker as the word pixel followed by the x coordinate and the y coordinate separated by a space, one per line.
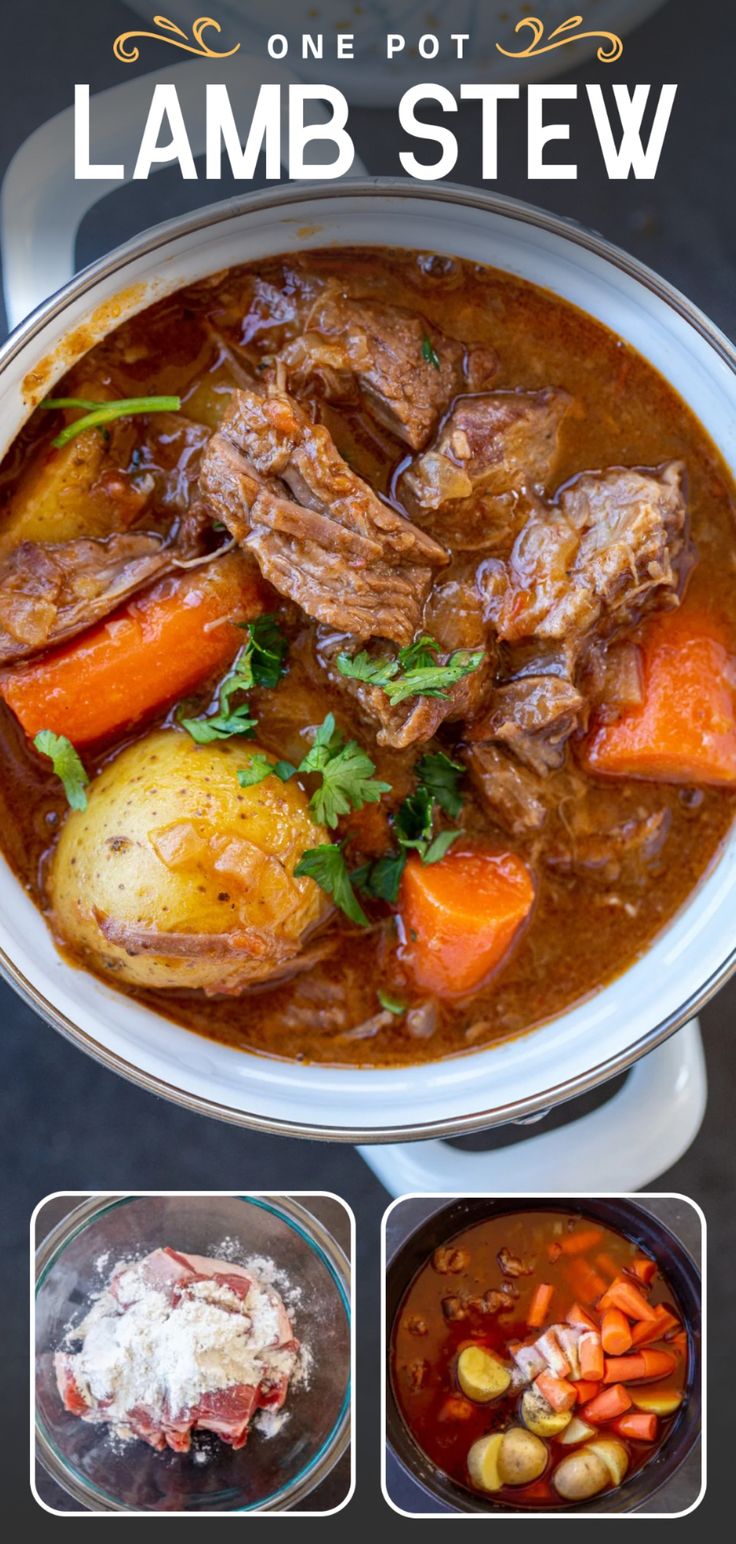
pixel 581 1243
pixel 658 1364
pixel 636 1425
pixel 626 1296
pixel 154 649
pixel 590 1352
pixel 586 1389
pixel 684 730
pixel 455 1408
pixel 643 1268
pixel 615 1332
pixel 623 1369
pixel 558 1392
pixel 577 1315
pixel 607 1405
pixel 461 916
pixel 585 1282
pixel 539 1305
pixel 607 1265
pixel 644 1333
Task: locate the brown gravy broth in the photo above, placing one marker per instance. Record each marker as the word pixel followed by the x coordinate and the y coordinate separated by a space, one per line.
pixel 423 1365
pixel 628 415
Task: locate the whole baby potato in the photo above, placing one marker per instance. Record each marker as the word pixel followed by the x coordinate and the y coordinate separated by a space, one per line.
pixel 522 1457
pixel 481 1375
pixel 175 876
pixel 581 1476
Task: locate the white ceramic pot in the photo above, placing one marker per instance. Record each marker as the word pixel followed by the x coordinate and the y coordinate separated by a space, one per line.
pixel 695 953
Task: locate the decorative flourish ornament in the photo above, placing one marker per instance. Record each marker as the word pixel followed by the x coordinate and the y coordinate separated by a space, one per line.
pixel 610 49
pixel 125 47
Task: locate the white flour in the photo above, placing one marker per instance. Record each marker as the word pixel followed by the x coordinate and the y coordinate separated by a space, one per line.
pixel 164 1358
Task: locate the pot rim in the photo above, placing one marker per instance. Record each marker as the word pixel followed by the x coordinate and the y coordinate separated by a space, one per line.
pixel 291 195
pixel 298 1217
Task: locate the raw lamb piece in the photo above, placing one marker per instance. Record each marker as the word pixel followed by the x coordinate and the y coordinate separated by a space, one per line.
pixel 51 592
pixel 529 1360
pixel 335 548
pixel 612 548
pixel 406 370
pixel 549 1347
pixel 493 443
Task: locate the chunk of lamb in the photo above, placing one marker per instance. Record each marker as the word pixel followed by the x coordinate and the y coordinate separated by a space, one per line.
pixel 492 444
pixel 50 592
pixel 613 547
pixel 334 548
pixel 534 716
pixel 617 851
pixel 516 798
pixel 406 370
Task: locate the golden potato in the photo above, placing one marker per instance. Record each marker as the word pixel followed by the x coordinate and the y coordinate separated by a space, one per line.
pixel 175 876
pixel 522 1457
pixel 483 1461
pixel 481 1375
pixel 581 1476
pixel 577 1431
pixel 613 1454
pixel 539 1416
pixel 657 1401
pixel 57 498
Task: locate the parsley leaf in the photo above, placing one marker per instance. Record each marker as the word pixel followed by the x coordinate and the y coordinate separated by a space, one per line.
pixel 441 775
pixel 346 772
pixel 263 660
pixel 435 680
pixel 413 820
pixel 362 668
pixel 415 672
pixel 260 767
pixel 441 844
pixel 429 353
pixel 221 726
pixel 381 879
pixel 327 867
pixel 67 765
pixel 391 1004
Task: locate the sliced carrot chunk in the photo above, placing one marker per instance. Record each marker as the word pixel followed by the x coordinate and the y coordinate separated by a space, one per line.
pixel 461 916
pixel 684 730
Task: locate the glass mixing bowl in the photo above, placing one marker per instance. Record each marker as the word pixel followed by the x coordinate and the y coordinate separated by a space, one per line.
pixel 270 1473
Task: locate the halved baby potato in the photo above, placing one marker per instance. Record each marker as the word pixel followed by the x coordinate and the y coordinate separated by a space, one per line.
pixel 614 1456
pixel 481 1375
pixel 483 1462
pixel 657 1401
pixel 539 1416
pixel 522 1457
pixel 577 1431
pixel 581 1475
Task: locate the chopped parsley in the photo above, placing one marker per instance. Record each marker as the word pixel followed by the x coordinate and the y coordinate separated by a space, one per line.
pixel 95 414
pixel 261 662
pixel 429 353
pixel 441 775
pixel 391 1004
pixel 346 773
pixel 67 765
pixel 327 867
pixel 414 672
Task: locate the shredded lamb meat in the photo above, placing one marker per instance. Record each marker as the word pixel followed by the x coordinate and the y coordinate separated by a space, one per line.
pixel 335 548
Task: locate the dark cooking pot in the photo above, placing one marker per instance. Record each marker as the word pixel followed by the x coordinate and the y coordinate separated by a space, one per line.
pixel 635 1223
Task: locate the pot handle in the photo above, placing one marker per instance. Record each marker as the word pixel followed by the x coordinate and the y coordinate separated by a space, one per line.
pixel 41 204
pixel 622 1146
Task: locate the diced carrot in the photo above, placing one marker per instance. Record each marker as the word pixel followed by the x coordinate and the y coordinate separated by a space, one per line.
pixel 586 1389
pixel 684 730
pixel 156 648
pixel 590 1351
pixel 607 1405
pixel 539 1305
pixel 455 1408
pixel 622 1369
pixel 644 1268
pixel 615 1332
pixel 636 1425
pixel 581 1243
pixel 461 916
pixel 644 1333
pixel 577 1315
pixel 679 1343
pixel 607 1265
pixel 585 1282
pixel 558 1392
pixel 626 1296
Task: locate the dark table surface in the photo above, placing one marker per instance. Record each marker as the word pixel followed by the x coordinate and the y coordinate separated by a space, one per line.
pixel 68 1124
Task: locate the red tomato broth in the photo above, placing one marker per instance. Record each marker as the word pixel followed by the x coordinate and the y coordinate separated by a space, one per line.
pixel 446 1442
